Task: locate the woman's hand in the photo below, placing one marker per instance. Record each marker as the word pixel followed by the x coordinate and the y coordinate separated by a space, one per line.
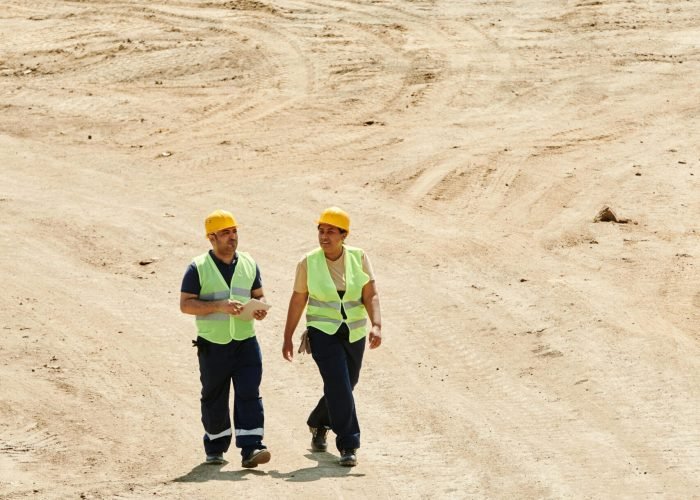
pixel 375 336
pixel 288 349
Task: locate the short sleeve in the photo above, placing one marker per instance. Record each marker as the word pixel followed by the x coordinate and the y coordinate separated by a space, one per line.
pixel 300 282
pixel 257 282
pixel 367 266
pixel 190 282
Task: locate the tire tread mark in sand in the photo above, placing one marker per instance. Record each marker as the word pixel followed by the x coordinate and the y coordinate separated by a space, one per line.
pixel 419 76
pixel 427 81
pixel 168 52
pixel 294 71
pixel 161 62
pixel 442 178
pixel 569 145
pixel 21 445
pixel 321 87
pixel 261 105
pixel 430 179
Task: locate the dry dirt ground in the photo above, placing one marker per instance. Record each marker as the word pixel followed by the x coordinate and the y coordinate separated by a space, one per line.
pixel 529 352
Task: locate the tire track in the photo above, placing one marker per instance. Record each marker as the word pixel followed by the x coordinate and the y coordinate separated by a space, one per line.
pixel 113 61
pixel 433 78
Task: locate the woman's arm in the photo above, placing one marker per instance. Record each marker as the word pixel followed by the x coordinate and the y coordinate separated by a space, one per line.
pixel 297 303
pixel 370 299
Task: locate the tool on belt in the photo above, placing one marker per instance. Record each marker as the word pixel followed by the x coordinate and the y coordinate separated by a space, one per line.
pixel 304 344
pixel 201 346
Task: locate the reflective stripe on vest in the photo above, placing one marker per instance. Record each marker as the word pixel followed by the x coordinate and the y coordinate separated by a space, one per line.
pixel 323 310
pixel 220 328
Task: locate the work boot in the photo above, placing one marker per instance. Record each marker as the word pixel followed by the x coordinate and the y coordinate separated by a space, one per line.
pixel 255 458
pixel 215 459
pixel 348 458
pixel 318 438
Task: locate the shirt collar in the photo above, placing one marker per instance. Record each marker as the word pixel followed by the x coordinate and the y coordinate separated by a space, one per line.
pixel 216 259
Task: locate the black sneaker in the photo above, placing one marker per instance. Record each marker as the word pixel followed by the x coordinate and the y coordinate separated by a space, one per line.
pixel 318 439
pixel 215 459
pixel 255 458
pixel 348 458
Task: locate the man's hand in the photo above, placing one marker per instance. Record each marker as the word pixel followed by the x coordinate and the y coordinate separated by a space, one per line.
pixel 232 307
pixel 375 336
pixel 260 314
pixel 288 349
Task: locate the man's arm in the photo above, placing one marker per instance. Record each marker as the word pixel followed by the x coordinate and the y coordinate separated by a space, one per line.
pixel 297 303
pixel 370 299
pixel 191 304
pixel 260 295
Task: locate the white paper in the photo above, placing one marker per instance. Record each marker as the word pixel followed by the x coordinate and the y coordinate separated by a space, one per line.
pixel 250 307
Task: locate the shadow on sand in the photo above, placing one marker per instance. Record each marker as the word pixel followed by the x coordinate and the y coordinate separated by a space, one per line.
pixel 326 466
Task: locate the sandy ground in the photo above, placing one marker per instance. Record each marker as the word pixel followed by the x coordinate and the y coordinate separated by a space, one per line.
pixel 529 352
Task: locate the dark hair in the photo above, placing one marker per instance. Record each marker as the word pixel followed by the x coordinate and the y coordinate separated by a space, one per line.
pixel 342 231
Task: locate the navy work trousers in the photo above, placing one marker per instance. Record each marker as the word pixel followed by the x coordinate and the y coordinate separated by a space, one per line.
pixel 339 361
pixel 239 362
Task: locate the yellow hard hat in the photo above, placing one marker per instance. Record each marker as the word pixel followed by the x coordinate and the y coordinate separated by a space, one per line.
pixel 218 220
pixel 335 217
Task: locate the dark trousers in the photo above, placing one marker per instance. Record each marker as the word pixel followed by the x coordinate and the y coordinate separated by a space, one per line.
pixel 339 361
pixel 239 362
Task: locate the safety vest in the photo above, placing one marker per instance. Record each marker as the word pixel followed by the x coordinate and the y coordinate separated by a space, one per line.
pixel 220 328
pixel 324 306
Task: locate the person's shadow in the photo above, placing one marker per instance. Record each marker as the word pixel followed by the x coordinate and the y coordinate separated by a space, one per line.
pixel 326 466
pixel 209 472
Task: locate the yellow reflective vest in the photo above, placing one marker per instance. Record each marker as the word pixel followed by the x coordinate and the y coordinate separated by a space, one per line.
pixel 221 328
pixel 323 310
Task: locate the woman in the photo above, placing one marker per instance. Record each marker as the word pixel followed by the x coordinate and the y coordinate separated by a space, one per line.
pixel 336 285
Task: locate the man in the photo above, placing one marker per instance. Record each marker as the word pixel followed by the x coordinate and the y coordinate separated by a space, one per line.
pixel 214 289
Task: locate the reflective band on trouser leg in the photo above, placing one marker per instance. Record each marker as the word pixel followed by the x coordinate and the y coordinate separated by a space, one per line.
pixel 225 433
pixel 249 432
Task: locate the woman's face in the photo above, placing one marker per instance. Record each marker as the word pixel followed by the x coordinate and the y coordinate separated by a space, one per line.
pixel 330 238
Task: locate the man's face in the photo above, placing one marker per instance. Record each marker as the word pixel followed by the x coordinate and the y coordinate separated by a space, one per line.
pixel 330 238
pixel 225 241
